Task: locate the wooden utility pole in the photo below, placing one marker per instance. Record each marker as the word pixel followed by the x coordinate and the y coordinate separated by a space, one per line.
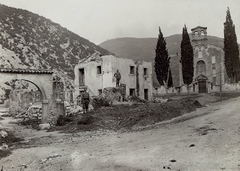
pixel 221 81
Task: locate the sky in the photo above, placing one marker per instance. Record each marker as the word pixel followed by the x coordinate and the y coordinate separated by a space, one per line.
pixel 101 20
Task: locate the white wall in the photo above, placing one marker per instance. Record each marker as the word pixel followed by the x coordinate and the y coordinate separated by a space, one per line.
pixel 110 64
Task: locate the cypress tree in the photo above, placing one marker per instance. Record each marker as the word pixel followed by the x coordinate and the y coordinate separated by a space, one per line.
pixel 231 50
pixel 170 81
pixel 186 58
pixel 162 60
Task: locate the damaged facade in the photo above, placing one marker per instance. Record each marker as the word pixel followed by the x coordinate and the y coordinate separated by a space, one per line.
pixel 97 72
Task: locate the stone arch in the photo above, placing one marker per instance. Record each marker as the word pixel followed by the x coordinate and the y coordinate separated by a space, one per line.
pixel 40 88
pixel 42 79
pixel 200 68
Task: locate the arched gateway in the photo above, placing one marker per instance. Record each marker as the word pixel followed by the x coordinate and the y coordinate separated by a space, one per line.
pixel 42 79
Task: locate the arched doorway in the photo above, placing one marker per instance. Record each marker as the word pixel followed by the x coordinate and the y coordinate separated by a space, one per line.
pixel 23 98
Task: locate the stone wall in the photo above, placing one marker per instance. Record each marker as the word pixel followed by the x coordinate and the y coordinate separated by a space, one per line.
pixel 21 100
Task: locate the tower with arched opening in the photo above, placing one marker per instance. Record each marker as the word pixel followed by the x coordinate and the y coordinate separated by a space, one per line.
pixel 208 61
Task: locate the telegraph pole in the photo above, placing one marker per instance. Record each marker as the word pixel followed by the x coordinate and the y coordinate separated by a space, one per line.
pixel 221 81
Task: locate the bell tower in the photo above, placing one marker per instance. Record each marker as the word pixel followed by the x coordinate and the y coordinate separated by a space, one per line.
pixel 199 36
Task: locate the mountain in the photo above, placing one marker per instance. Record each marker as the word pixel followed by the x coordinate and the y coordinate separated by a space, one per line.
pixel 144 49
pixel 28 40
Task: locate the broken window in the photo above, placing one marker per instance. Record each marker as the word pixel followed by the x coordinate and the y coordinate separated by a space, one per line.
pixel 99 69
pixel 81 77
pixel 145 71
pixel 132 91
pixel 132 70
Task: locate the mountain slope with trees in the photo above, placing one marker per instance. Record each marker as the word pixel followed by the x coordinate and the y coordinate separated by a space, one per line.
pixel 28 40
pixel 144 48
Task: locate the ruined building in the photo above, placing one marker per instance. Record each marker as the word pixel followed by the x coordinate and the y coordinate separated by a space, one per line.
pixel 97 72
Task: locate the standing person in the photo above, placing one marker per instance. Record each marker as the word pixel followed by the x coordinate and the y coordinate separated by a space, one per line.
pixel 118 78
pixel 85 100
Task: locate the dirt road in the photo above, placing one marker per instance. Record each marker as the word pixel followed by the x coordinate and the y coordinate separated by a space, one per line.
pixel 205 140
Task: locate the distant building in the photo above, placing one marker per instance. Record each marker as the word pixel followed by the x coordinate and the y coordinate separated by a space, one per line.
pixel 209 68
pixel 208 62
pixel 97 72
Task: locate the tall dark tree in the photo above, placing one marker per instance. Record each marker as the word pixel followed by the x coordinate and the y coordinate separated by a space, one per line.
pixel 162 60
pixel 170 81
pixel 231 49
pixel 187 58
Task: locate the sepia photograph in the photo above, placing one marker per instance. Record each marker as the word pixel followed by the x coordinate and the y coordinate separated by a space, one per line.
pixel 119 85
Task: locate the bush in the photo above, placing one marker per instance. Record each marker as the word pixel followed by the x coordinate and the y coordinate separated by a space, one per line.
pixel 98 102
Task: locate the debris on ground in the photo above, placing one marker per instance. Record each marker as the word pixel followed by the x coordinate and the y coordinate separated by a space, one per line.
pixel 124 117
pixel 44 126
pixel 4 147
pixel 159 100
pixel 3 134
pixel 32 112
pixel 204 130
pixel 49 158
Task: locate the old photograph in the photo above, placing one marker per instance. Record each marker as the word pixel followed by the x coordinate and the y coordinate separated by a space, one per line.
pixel 119 85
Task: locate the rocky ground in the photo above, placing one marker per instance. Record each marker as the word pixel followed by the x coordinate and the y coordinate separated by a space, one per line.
pixel 205 139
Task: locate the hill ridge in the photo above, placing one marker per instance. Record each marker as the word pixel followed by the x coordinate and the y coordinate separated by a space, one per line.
pixel 28 40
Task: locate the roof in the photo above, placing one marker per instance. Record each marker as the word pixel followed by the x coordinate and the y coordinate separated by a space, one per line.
pixel 198 27
pixel 25 71
pixel 201 78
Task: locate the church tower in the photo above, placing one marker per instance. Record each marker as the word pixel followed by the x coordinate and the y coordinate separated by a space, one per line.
pixel 199 36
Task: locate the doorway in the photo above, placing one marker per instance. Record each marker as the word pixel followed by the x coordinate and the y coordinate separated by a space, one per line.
pixel 146 94
pixel 202 88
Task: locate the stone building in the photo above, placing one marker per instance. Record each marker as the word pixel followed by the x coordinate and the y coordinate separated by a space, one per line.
pixel 208 62
pixel 97 72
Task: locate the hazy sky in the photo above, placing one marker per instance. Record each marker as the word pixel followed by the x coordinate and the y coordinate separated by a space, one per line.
pixel 99 20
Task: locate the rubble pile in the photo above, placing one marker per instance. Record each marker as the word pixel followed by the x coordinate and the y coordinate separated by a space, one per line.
pixel 113 93
pixel 72 110
pixel 108 97
pixel 135 99
pixel 159 100
pixel 33 112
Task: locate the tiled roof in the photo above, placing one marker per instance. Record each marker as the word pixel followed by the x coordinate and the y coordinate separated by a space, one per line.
pixel 26 71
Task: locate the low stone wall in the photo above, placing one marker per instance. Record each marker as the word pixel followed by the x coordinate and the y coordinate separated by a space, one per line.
pixel 227 87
